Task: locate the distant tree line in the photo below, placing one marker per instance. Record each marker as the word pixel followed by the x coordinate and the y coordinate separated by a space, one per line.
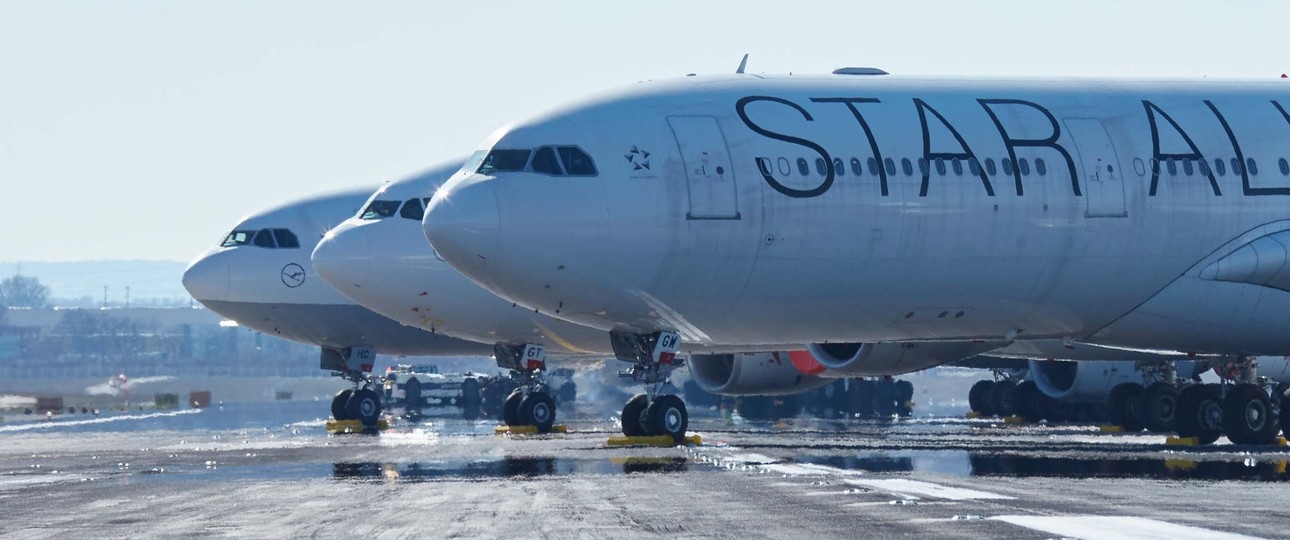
pixel 19 291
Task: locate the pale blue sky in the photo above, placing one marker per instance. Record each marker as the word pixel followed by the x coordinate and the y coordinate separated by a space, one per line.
pixel 146 129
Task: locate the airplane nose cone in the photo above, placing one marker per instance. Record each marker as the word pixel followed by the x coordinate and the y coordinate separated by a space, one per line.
pixel 207 278
pixel 463 225
pixel 343 258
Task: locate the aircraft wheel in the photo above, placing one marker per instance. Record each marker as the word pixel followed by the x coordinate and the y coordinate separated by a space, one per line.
pixel 1285 418
pixel 364 405
pixel 1200 412
pixel 634 416
pixel 511 408
pixel 470 398
pixel 1001 398
pixel 979 398
pixel 538 409
pixel 1030 402
pixel 1124 407
pixel 412 399
pixel 338 403
pixel 1159 405
pixel 864 390
pixel 1248 417
pixel 666 415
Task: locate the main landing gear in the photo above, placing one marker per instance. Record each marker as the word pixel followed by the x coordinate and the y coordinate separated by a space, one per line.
pixel 653 357
pixel 362 402
pixel 531 403
pixel 1245 407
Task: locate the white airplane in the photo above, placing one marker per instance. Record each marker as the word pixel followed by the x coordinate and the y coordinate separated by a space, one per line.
pixel 260 276
pixel 856 210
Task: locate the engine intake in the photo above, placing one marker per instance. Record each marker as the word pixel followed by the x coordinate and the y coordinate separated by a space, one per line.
pixel 877 359
pixel 751 374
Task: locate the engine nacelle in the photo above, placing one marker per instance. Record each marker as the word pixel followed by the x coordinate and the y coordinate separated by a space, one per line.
pixel 878 359
pixel 752 374
pixel 1092 381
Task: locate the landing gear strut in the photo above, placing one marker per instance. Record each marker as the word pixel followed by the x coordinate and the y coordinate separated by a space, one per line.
pixel 531 403
pixel 362 402
pixel 653 357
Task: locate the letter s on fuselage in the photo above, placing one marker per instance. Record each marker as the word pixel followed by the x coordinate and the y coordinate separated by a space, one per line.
pixel 741 210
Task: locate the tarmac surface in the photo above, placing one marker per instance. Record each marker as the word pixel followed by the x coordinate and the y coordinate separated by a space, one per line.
pixel 271 470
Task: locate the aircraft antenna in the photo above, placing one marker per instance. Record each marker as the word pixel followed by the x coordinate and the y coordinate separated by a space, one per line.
pixel 742 64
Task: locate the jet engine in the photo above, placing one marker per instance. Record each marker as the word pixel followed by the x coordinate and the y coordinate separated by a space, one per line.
pixel 877 359
pixel 1091 381
pixel 753 374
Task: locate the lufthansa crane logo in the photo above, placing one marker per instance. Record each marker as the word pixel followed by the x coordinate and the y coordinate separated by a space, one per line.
pixel 638 158
pixel 293 275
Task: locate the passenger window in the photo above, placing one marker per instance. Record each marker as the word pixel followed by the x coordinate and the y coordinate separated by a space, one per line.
pixel 802 167
pixel 923 168
pixel 764 165
pixel 1024 166
pixel 989 166
pixel 544 162
pixel 238 238
pixel 890 166
pixel 1155 166
pixel 855 167
pixel 380 210
pixel 1187 168
pixel 286 239
pixel 577 162
pixel 504 161
pixel 1172 165
pixel 1252 166
pixel 940 166
pixel 1040 168
pixel 1203 167
pixel 838 168
pixel 974 167
pixel 1236 166
pixel 413 210
pixel 264 239
pixel 957 166
pixel 907 166
pixel 821 167
pixel 1220 167
pixel 784 167
pixel 1285 167
pixel 1007 166
pixel 873 166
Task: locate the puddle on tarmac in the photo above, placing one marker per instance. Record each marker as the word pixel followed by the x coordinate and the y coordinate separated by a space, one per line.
pixel 511 467
pixel 994 464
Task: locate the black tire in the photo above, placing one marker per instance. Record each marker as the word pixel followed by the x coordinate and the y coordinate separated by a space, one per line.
pixel 1159 406
pixel 1001 398
pixel 1248 416
pixel 538 409
pixel 511 408
pixel 666 415
pixel 471 398
pixel 1285 418
pixel 339 403
pixel 1200 412
pixel 904 391
pixel 862 397
pixel 883 396
pixel 364 406
pixel 979 398
pixel 1028 402
pixel 1124 407
pixel 634 416
pixel 412 401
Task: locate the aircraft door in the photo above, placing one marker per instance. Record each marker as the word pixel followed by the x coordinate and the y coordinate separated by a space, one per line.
pixel 708 174
pixel 1102 182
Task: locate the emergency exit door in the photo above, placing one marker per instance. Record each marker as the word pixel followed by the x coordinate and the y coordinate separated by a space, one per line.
pixel 708 174
pixel 1101 181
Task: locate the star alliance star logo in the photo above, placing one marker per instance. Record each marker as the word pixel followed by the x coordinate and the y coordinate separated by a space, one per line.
pixel 638 158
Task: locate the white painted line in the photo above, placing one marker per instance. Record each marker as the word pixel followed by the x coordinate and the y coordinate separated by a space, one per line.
pixel 926 489
pixel 1117 527
pixel 105 420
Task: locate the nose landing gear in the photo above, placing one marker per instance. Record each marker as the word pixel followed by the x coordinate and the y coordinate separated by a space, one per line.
pixel 362 402
pixel 653 357
pixel 531 403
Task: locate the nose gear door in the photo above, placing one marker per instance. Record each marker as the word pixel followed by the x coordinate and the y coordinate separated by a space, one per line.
pixel 708 174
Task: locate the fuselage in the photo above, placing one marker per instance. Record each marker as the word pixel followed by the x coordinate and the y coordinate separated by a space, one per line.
pixel 747 210
pixel 260 276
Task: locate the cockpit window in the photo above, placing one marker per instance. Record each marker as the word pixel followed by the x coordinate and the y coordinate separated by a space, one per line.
pixel 412 209
pixel 380 210
pixel 286 239
pixel 238 238
pixel 264 239
pixel 544 161
pixel 505 161
pixel 577 162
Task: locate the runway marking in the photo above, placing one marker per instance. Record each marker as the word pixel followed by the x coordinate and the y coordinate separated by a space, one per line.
pixel 54 424
pixel 1114 527
pixel 902 486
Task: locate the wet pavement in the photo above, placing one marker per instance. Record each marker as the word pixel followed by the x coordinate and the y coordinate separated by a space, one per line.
pixel 257 470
